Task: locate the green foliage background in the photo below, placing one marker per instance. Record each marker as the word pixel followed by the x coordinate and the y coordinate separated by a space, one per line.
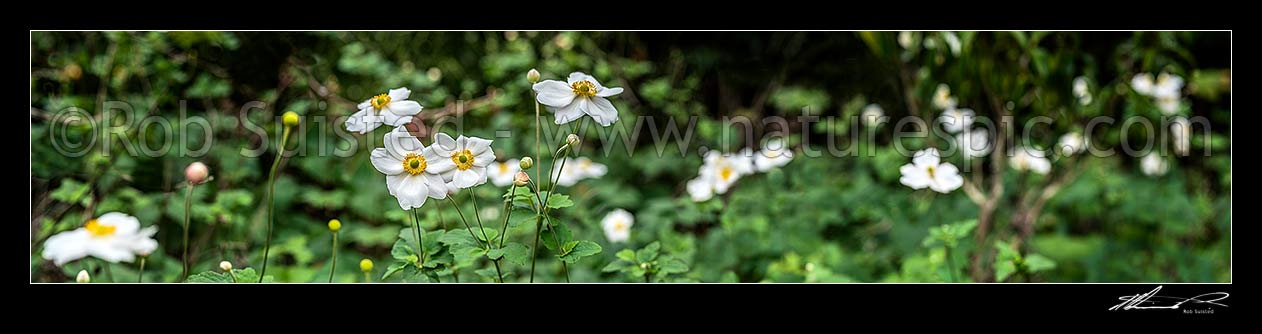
pixel 824 219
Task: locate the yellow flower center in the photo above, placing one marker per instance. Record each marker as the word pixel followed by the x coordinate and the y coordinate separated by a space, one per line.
pixel 619 226
pixel 930 169
pixel 584 88
pixel 725 173
pixel 463 159
pixel 99 230
pixel 414 164
pixel 503 168
pixel 380 101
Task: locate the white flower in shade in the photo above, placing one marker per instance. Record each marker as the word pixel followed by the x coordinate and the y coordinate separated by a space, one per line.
pixel 580 95
pixel 974 144
pixel 1153 165
pixel 391 109
pixel 956 120
pixel 872 115
pixel 775 153
pixel 724 169
pixel 588 169
pixel 113 237
pixel 462 161
pixel 700 189
pixel 409 167
pixel 617 225
pixel 927 170
pixel 1071 143
pixel 1082 91
pixel 1167 85
pixel 1025 158
pixel 952 42
pixel 568 176
pixel 942 98
pixel 1169 105
pixel 1181 134
pixel 1142 83
pixel 907 39
pixel 502 173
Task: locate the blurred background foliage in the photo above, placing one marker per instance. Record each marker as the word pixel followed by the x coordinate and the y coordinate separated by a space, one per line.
pixel 818 219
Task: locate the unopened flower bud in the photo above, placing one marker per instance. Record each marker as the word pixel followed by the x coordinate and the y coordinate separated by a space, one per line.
pixel 83 277
pixel 521 179
pixel 225 266
pixel 365 265
pixel 572 140
pixel 526 163
pixel 196 173
pixel 290 118
pixel 532 76
pixel 335 225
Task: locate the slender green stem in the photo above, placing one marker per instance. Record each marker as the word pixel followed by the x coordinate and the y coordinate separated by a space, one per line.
pixel 508 212
pixel 416 231
pixel 478 216
pixel 538 151
pixel 333 266
pixel 367 277
pixel 233 275
pixel 564 268
pixel 463 220
pixel 535 248
pixel 188 201
pixel 108 275
pixel 950 265
pixel 140 274
pixel 271 201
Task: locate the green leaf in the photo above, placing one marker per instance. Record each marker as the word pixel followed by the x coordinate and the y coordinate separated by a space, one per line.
pixel 402 250
pixel 246 275
pixel 729 277
pixel 488 273
pixel 559 201
pixel 615 266
pixel 516 253
pixel 580 250
pixel 648 253
pixel 626 255
pixel 673 266
pixel 458 238
pixel 394 268
pixel 1006 252
pixel 552 239
pixel 521 216
pixel 71 191
pixel 465 254
pixel 1003 270
pixel 1037 263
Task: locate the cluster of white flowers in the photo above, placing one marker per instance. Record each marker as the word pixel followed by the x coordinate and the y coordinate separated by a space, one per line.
pixel 721 170
pixel 927 170
pixel 1166 91
pixel 577 169
pixel 113 237
pixel 1071 143
pixel 972 143
pixel 1082 91
pixel 1031 159
pixel 415 172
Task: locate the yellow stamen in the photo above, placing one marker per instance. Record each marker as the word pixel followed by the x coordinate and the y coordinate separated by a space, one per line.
pixel 99 230
pixel 380 101
pixel 725 173
pixel 619 226
pixel 414 164
pixel 930 169
pixel 503 168
pixel 463 159
pixel 584 88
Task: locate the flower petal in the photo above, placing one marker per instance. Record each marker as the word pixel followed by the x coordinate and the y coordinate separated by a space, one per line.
pixel 67 246
pixel 913 177
pixel 572 112
pixel 400 142
pixel 385 162
pixel 486 159
pixel 356 122
pixel 554 93
pixel 404 108
pixel 399 94
pixel 437 186
pixel 477 146
pixel 580 76
pixel 443 145
pixel 602 111
pixel 926 157
pixel 437 164
pixel 469 177
pixel 607 92
pixel 412 192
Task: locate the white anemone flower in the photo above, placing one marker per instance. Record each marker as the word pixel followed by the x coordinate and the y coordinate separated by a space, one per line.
pixel 113 237
pixel 1071 143
pixel 775 153
pixel 1169 105
pixel 956 120
pixel 1082 91
pixel 1153 165
pixel 942 98
pixel 953 42
pixel 580 95
pixel 501 173
pixel 1181 134
pixel 724 169
pixel 409 169
pixel 1142 83
pixel 872 115
pixel 568 176
pixel 1167 85
pixel 700 189
pixel 1025 158
pixel 927 170
pixel 617 225
pixel 462 161
pixel 588 169
pixel 974 144
pixel 393 109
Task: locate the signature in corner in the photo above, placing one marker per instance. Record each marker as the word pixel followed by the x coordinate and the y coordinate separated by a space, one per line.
pixel 1151 300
